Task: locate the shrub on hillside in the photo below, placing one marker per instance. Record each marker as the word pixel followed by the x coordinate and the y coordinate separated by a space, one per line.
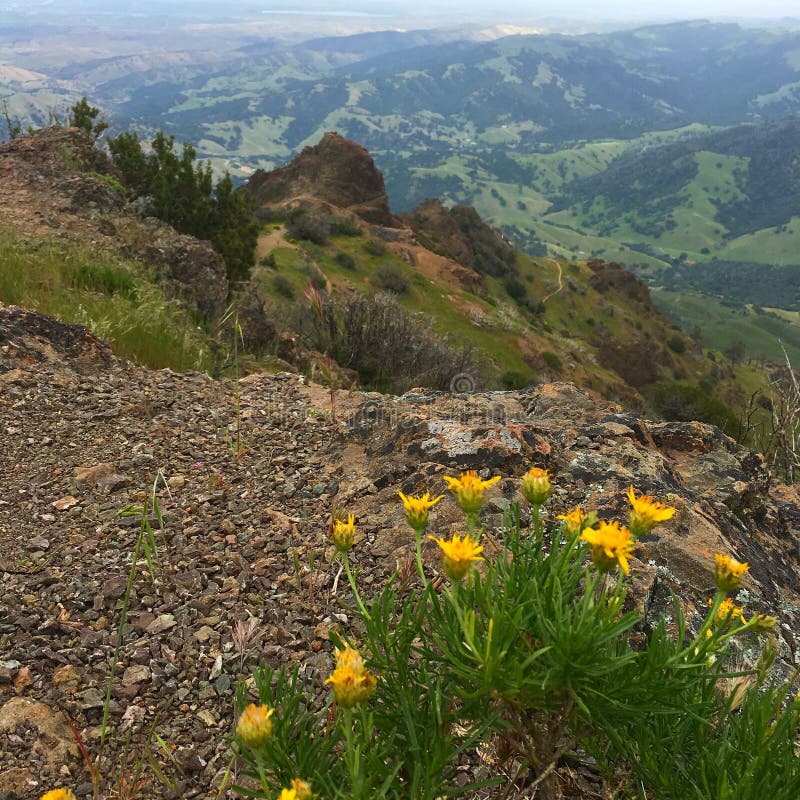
pixel 343 226
pixel 515 288
pixel 677 344
pixel 390 348
pixel 375 247
pixel 682 402
pixel 391 278
pixel 284 287
pixel 181 192
pixel 552 361
pixel 309 227
pixel 345 260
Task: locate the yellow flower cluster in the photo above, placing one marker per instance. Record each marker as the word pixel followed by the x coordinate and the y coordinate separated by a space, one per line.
pixel 351 682
pixel 58 794
pixel 459 554
pixel 726 608
pixel 576 520
pixel 255 726
pixel 469 489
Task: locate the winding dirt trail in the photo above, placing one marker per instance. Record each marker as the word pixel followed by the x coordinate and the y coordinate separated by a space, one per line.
pixel 560 284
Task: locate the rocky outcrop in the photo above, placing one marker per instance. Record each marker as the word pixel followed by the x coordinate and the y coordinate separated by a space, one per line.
pixel 188 268
pixel 27 337
pixel 439 232
pixel 337 171
pixel 57 185
pixel 460 234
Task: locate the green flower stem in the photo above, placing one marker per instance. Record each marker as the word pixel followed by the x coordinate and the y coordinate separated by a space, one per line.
pixel 712 615
pixel 354 588
pixel 420 570
pixel 352 750
pixel 538 525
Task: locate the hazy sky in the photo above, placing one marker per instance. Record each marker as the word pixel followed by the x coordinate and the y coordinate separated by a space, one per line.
pixel 621 9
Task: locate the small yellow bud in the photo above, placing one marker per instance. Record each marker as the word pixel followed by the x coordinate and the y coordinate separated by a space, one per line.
pixel 255 726
pixel 344 533
pixel 535 486
pixel 762 623
pixel 58 794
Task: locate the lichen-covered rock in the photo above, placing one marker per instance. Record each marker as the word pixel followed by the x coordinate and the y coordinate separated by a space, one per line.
pixel 726 499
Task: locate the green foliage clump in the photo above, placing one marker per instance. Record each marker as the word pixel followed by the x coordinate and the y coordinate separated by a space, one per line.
pixel 83 115
pixel 515 288
pixel 181 192
pixel 307 226
pixel 104 278
pixel 110 180
pixel 120 306
pixel 683 402
pixel 552 361
pixel 343 226
pixel 284 287
pixel 375 247
pixel 515 379
pixel 676 343
pixel 391 278
pixel 345 260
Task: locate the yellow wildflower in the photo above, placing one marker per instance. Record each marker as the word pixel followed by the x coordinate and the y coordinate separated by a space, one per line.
pixel 646 513
pixel 255 726
pixel 575 520
pixel 458 555
pixel 611 545
pixel 535 486
pixel 351 687
pixel 344 533
pixel 728 572
pixel 469 489
pixel 58 794
pixel 302 789
pixel 727 607
pixel 288 794
pixel 417 509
